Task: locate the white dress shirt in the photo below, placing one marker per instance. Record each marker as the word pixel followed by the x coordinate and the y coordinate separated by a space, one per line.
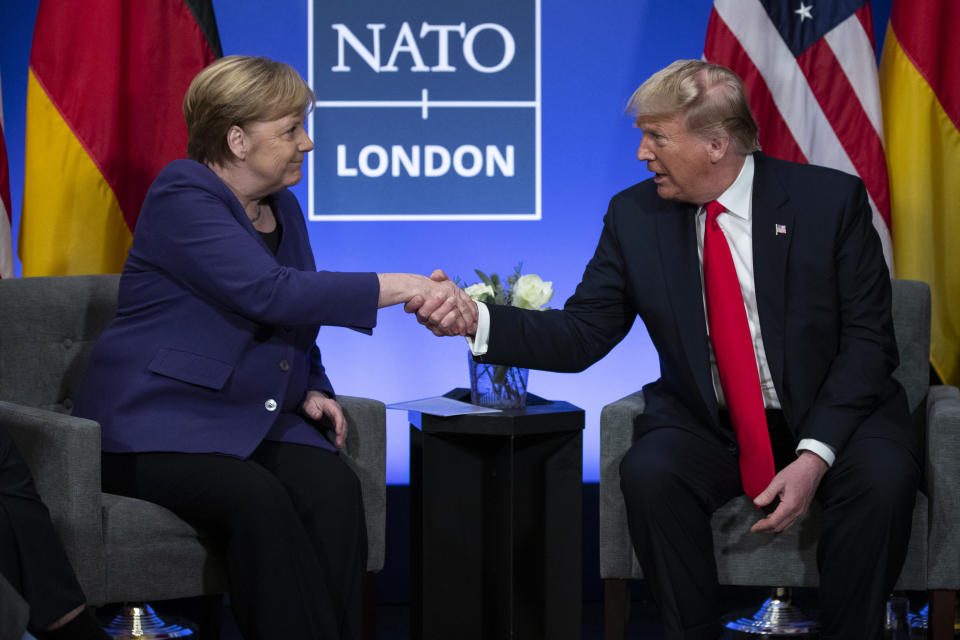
pixel 736 225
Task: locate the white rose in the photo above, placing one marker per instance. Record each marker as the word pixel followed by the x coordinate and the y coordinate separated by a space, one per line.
pixel 530 292
pixel 481 291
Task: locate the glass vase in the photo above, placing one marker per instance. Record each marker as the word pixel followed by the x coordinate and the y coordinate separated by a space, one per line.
pixel 497 385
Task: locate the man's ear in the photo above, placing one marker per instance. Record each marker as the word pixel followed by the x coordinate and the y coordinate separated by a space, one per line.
pixel 717 148
pixel 237 141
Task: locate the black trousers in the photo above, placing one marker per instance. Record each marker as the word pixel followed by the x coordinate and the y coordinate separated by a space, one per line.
pixel 291 521
pixel 673 480
pixel 32 558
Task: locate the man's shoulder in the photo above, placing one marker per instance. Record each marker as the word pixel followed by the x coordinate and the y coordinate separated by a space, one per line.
pixel 803 174
pixel 640 198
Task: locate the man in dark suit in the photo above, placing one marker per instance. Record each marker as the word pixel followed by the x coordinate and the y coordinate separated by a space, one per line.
pixel 815 411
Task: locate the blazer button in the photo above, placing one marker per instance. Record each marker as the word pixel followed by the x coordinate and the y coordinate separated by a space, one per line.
pixel 284 365
pixel 270 405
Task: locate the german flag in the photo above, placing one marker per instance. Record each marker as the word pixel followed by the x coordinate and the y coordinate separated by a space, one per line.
pixel 106 81
pixel 920 93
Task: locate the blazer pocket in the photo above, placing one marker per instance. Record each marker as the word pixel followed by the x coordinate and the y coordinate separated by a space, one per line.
pixel 191 368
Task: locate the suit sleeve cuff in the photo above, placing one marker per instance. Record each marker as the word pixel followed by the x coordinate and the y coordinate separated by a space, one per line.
pixel 478 343
pixel 822 449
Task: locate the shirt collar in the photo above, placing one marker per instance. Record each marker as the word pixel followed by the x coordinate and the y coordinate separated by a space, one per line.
pixel 738 196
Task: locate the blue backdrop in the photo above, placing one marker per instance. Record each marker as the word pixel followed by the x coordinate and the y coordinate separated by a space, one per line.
pixel 593 55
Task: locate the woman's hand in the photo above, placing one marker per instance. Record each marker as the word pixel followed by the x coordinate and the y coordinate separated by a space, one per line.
pixel 319 407
pixel 455 315
pixel 439 303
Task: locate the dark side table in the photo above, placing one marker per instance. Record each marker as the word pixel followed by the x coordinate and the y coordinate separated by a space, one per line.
pixel 495 523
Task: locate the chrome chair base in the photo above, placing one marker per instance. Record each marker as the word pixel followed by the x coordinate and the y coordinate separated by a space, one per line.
pixel 777 617
pixel 919 620
pixel 140 622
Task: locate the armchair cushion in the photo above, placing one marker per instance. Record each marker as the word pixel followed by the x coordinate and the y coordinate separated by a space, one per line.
pixel 173 561
pixel 63 454
pixel 942 486
pixel 14 612
pixel 366 453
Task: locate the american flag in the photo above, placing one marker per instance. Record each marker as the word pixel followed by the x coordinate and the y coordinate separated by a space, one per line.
pixel 811 71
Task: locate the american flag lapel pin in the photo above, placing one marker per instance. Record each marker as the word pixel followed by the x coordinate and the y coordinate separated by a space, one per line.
pixel 780 230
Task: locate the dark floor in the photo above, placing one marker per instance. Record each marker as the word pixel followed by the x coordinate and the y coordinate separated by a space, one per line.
pixel 393 620
pixel 392 587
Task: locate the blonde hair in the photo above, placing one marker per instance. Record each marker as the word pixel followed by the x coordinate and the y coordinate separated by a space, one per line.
pixel 711 98
pixel 237 90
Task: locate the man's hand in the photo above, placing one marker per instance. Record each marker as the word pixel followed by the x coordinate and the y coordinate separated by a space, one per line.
pixel 319 407
pixel 795 485
pixel 447 310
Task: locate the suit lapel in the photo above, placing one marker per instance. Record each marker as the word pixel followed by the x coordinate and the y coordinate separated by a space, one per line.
pixel 677 242
pixel 773 229
pixel 286 252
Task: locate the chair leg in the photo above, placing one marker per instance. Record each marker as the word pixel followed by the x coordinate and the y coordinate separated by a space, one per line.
pixel 940 621
pixel 369 606
pixel 616 608
pixel 141 621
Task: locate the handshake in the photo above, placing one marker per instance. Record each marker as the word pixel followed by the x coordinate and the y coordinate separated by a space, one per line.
pixel 440 305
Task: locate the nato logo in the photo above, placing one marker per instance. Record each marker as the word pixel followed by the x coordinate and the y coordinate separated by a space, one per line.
pixel 426 110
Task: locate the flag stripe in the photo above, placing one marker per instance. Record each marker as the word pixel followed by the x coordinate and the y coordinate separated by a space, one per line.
pixel 923 151
pixel 6 244
pixel 4 173
pixel 865 15
pixel 848 120
pixel 723 48
pixel 853 50
pixel 925 30
pixel 202 11
pixel 4 169
pixel 99 63
pixel 87 234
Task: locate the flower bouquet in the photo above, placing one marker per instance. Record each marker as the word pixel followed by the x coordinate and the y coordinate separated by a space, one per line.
pixel 500 385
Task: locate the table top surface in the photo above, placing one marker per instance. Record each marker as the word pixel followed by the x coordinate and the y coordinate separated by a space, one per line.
pixel 539 416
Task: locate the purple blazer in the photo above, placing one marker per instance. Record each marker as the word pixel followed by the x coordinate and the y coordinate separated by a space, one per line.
pixel 214 344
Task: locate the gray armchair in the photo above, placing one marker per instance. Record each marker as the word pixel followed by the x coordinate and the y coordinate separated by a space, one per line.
pixel 13 612
pixel 789 559
pixel 122 549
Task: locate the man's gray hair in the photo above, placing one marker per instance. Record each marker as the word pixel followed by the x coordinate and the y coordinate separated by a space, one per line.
pixel 711 98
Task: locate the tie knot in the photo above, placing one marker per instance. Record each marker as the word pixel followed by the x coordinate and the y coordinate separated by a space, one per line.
pixel 714 209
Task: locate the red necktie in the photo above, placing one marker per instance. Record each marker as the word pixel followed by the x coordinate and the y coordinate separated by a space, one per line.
pixel 736 361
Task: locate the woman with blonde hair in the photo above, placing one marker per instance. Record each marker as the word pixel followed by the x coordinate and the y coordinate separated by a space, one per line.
pixel 208 385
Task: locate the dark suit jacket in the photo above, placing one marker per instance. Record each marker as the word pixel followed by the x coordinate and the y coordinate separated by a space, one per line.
pixel 213 346
pixel 823 292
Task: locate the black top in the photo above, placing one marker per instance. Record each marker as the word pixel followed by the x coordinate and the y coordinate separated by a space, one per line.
pixel 273 238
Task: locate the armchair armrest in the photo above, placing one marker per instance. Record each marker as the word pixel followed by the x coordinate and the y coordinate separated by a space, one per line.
pixel 942 480
pixel 366 453
pixel 63 453
pixel 14 611
pixel 616 437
